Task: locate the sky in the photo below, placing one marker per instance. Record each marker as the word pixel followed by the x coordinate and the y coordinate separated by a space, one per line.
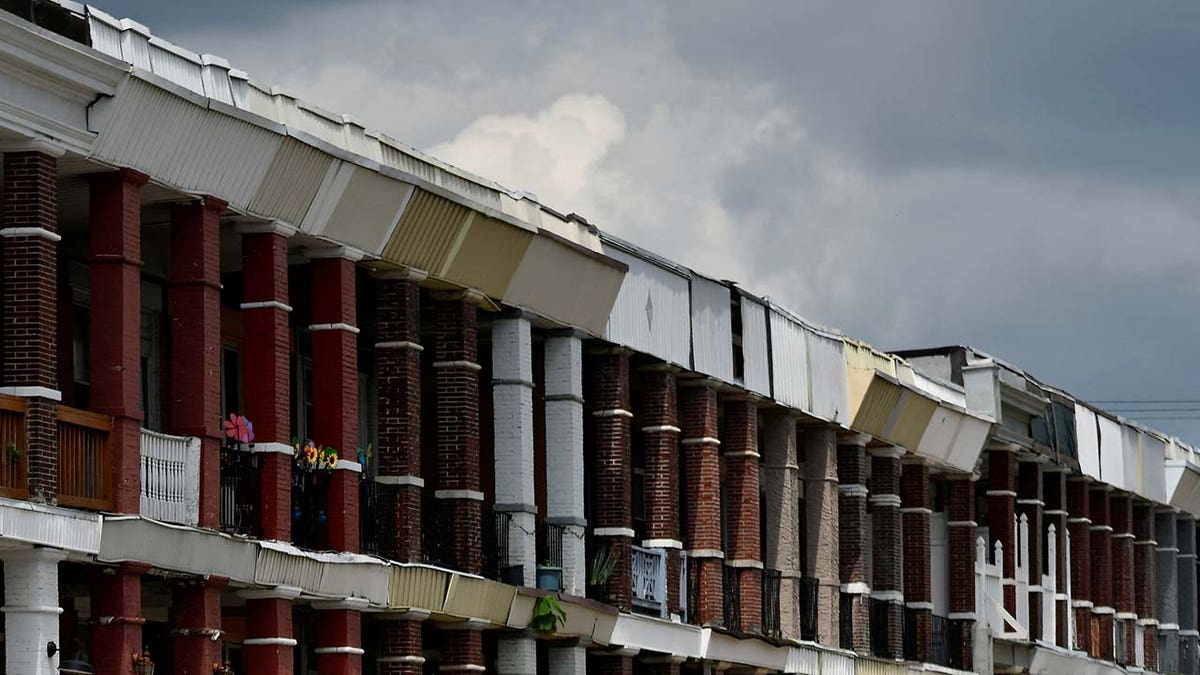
pixel 1020 177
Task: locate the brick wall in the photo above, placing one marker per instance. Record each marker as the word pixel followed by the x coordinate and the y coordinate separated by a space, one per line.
pixel 613 466
pixel 1030 505
pixel 915 507
pixel 1079 524
pixel 960 534
pixel 1002 498
pixel 702 528
pixel 887 561
pixel 1101 566
pixel 739 445
pixel 657 417
pixel 400 648
pixel 116 593
pixel 196 625
pixel 854 538
pixel 268 618
pixel 1145 600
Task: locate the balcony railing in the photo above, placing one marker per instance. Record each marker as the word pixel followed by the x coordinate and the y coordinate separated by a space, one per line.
pixel 733 599
pixel 437 521
pixel 550 544
pixel 846 615
pixel 650 579
pixel 377 518
pixel 879 613
pixel 770 602
pixel 809 588
pixel 84 459
pixel 947 642
pixel 910 635
pixel 14 476
pixel 240 488
pixel 170 478
pixel 310 498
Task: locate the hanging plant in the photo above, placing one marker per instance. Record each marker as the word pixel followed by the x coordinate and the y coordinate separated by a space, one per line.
pixel 547 615
pixel 12 451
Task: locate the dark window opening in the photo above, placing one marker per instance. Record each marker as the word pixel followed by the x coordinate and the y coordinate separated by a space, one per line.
pixel 735 322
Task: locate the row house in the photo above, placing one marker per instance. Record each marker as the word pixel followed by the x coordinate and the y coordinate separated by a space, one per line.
pixel 280 394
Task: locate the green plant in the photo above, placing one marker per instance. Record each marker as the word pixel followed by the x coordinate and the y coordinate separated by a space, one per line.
pixel 548 615
pixel 603 564
pixel 13 452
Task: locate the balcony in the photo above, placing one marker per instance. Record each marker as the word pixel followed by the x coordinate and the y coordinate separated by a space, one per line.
pixel 733 598
pixel 240 488
pixel 809 589
pixel 947 642
pixel 770 603
pixel 84 459
pixel 14 479
pixel 377 518
pixel 170 489
pixel 650 580
pixel 310 496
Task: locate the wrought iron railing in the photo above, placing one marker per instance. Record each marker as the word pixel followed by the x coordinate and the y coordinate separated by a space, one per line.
pixel 947 642
pixel 846 628
pixel 240 488
pixel 310 499
pixel 437 523
pixel 733 598
pixel 910 635
pixel 650 579
pixel 550 544
pixel 809 588
pixel 879 630
pixel 770 603
pixel 377 518
pixel 497 552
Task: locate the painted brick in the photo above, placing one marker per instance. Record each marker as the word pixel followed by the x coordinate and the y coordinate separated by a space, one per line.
pixel 269 618
pixel 116 593
pixel 563 384
pixel 195 620
pixel 339 628
pixel 31 580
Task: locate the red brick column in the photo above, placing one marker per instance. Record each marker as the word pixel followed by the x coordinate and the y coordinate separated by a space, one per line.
pixel 619 663
pixel 270 638
pixel 335 386
pixel 1030 504
pixel 1144 568
pixel 1079 524
pixel 194 299
pixel 400 649
pixel 456 365
pixel 196 625
pixel 30 307
pixel 1102 576
pixel 740 450
pixel 613 517
pixel 1002 501
pixel 660 433
pixel 115 268
pixel 116 618
pixel 339 637
pixel 462 647
pixel 1123 581
pixel 398 377
pixel 887 562
pixel 266 352
pixel 702 470
pixel 854 538
pixel 1054 494
pixel 916 512
pixel 960 535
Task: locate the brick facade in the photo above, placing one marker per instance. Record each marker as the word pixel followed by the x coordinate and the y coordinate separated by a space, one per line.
pixel 267 381
pixel 196 625
pixel 960 534
pixel 339 640
pixel 821 526
pixel 457 383
pixel 117 599
pixel 854 537
pixel 1123 583
pixel 657 417
pixel 1079 523
pixel 1054 513
pixel 702 481
pixel 115 264
pixel 268 628
pixel 1101 571
pixel 194 300
pixel 462 649
pixel 400 649
pixel 1030 506
pixel 1167 574
pixel 781 517
pixel 1145 591
pixel 613 515
pixel 887 560
pixel 1002 501
pixel 916 513
pixel 739 445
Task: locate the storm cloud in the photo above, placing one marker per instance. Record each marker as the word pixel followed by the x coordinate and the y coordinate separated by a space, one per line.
pixel 1020 176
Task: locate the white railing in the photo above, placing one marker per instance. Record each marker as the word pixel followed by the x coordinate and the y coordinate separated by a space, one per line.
pixel 650 579
pixel 170 478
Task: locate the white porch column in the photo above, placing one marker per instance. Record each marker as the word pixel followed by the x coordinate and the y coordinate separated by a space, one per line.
pixel 31 611
pixel 512 394
pixel 564 453
pixel 516 655
pixel 568 660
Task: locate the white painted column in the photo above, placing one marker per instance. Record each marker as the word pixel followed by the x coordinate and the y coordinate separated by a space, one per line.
pixel 512 394
pixel 564 453
pixel 31 611
pixel 516 655
pixel 568 660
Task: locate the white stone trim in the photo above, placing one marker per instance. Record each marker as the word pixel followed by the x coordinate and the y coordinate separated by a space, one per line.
pixel 462 668
pixel 1126 616
pixel 741 453
pixel 961 523
pixel 405 274
pixel 462 363
pixel 355 651
pixel 459 494
pixel 277 593
pixel 704 440
pixel 612 412
pixel 1168 626
pixel 745 564
pixel 705 553
pixel 42 145
pixel 31 609
pixel 347 465
pixel 892 452
pixel 33 392
pixel 400 344
pixel 614 532
pixel 660 429
pixel 1101 528
pixel 1076 520
pixel 885 500
pixel 356 604
pixel 1167 549
pixel 317 327
pixel 1147 622
pixel 270 642
pixel 273 448
pixel 1123 535
pixel 512 382
pixel 1103 610
pixel 888 596
pixel 662 543
pixel 1031 502
pixel 961 616
pixel 415 481
pixel 919 605
pixel 273 227
pixel 1190 632
pixel 348 252
pixel 1081 604
pixel 1145 542
pixel 916 509
pixel 273 304
pixel 415 660
pixel 856 588
pixel 853 489
pixel 1001 493
pixel 41 232
pixel 1054 512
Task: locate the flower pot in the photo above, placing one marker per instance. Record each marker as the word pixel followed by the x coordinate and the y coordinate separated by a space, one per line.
pixel 549 578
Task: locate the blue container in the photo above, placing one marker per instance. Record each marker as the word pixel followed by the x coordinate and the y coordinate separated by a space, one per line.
pixel 549 578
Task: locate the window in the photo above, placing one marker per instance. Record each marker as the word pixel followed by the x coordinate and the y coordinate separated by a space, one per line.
pixel 739 357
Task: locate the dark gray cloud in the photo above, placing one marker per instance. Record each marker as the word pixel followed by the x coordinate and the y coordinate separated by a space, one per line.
pixel 1018 176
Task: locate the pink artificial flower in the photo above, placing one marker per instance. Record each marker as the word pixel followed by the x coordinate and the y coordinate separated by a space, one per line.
pixel 239 428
